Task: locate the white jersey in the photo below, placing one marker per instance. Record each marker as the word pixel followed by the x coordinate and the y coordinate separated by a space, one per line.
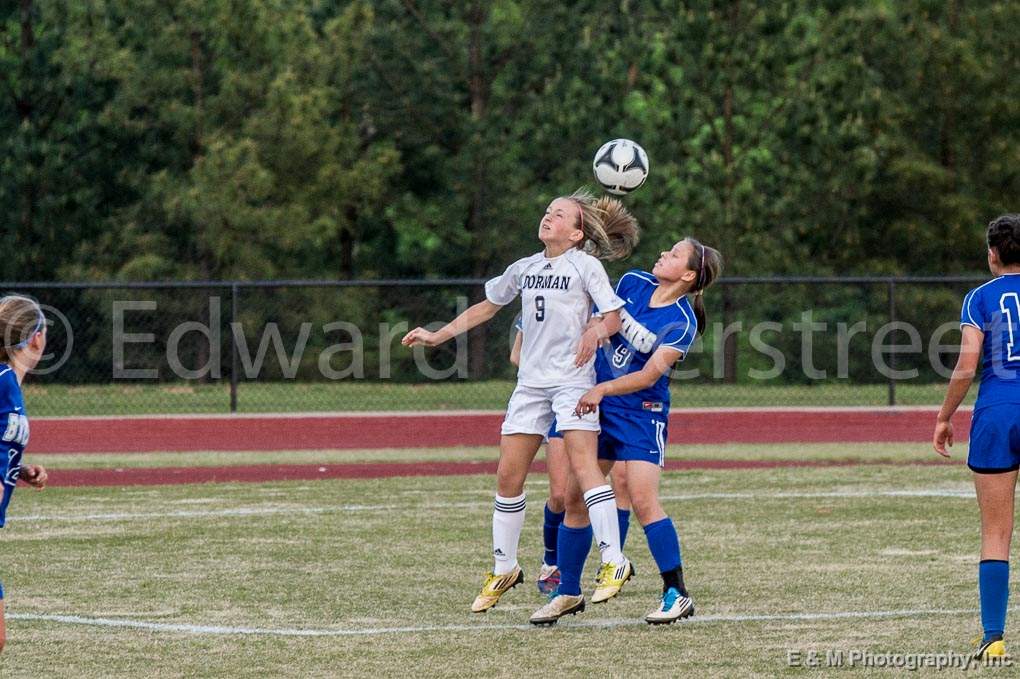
pixel 557 296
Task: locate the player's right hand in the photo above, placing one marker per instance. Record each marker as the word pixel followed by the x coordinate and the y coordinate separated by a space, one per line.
pixel 942 437
pixel 419 336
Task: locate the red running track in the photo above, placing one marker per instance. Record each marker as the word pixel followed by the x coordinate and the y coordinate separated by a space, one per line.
pixel 304 472
pixel 428 430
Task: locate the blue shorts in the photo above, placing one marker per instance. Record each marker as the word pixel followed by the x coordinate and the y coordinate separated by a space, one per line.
pixel 633 435
pixel 995 439
pixel 553 432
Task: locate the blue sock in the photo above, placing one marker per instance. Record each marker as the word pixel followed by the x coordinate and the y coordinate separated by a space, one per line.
pixel 574 545
pixel 550 531
pixel 624 517
pixel 993 584
pixel 664 544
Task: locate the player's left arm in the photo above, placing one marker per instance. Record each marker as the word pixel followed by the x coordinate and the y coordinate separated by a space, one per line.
pixel 966 366
pixel 658 365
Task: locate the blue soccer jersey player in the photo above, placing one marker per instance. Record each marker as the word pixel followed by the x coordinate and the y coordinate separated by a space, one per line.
pixel 659 324
pixel 22 342
pixel 990 325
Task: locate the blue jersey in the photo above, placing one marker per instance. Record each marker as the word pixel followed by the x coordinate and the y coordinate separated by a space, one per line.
pixel 644 329
pixel 14 425
pixel 994 308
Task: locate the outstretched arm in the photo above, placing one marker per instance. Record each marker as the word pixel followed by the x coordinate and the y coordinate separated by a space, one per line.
pixel 966 366
pixel 473 316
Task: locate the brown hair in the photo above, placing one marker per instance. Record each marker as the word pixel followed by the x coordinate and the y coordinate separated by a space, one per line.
pixel 707 262
pixel 1004 238
pixel 610 230
pixel 20 319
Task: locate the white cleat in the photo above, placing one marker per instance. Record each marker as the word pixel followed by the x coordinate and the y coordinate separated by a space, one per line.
pixel 671 608
pixel 558 606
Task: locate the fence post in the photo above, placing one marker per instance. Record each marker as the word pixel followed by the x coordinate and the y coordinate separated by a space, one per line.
pixel 892 355
pixel 730 345
pixel 233 347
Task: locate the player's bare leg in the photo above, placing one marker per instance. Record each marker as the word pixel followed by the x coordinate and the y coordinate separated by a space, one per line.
pixel 516 452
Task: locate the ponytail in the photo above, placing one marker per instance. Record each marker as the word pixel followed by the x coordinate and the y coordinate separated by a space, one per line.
pixel 707 263
pixel 610 230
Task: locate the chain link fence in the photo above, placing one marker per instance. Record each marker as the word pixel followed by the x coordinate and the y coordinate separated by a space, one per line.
pixel 293 346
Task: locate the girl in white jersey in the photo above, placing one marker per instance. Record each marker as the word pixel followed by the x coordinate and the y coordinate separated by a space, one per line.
pixel 558 287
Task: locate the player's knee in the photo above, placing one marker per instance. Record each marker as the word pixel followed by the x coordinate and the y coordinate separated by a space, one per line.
pixel 646 509
pixel 574 505
pixel 509 483
pixel 557 502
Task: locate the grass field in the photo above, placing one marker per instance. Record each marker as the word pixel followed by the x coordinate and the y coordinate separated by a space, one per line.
pixel 374 577
pixel 135 399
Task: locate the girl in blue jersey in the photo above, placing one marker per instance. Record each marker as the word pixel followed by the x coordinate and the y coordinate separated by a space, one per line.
pixel 22 342
pixel 990 324
pixel 659 324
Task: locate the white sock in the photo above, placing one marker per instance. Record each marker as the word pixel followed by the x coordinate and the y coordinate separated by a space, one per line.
pixel 601 503
pixel 507 523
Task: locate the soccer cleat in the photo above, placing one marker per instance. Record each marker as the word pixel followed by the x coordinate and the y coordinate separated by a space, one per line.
pixel 993 648
pixel 548 579
pixel 671 608
pixel 610 580
pixel 496 586
pixel 558 606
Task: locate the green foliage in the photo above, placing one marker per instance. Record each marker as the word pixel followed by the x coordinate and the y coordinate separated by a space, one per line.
pixel 259 138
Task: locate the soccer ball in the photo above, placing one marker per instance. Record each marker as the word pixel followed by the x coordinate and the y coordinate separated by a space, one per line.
pixel 621 166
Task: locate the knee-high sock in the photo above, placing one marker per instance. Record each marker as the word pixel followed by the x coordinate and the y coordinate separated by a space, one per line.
pixel 550 533
pixel 573 545
pixel 605 523
pixel 664 544
pixel 624 516
pixel 993 585
pixel 507 522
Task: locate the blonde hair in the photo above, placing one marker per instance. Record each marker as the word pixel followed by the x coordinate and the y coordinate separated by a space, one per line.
pixel 20 319
pixel 610 230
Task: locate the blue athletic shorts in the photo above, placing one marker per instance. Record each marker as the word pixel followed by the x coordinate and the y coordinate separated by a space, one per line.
pixel 633 435
pixel 995 439
pixel 553 432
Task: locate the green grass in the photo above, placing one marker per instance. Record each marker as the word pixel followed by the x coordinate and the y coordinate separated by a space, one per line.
pixel 136 399
pixel 336 555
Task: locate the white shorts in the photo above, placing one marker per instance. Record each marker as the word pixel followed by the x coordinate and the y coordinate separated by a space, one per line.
pixel 532 409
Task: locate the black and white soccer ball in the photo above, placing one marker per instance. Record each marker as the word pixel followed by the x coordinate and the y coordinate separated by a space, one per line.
pixel 621 166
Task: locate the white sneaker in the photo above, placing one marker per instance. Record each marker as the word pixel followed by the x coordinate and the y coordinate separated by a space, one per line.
pixel 671 608
pixel 560 605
